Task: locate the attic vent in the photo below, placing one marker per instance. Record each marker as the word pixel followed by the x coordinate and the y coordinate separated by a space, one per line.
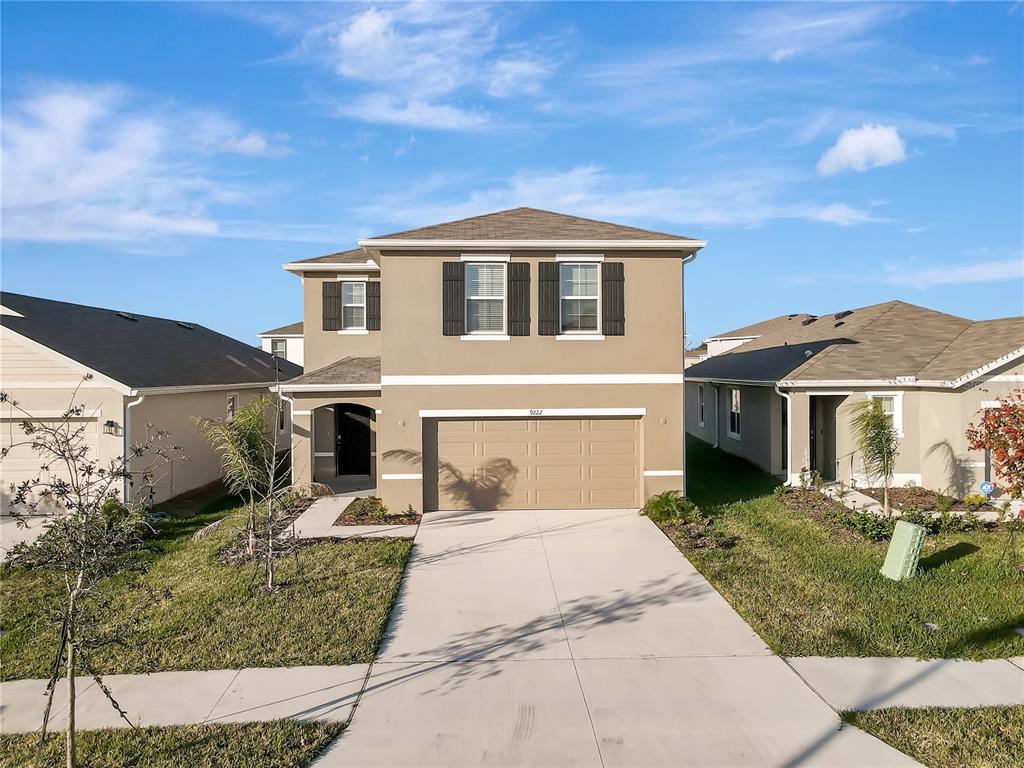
pixel 841 315
pixel 186 326
pixel 807 353
pixel 808 321
pixel 126 316
pixel 838 324
pixel 790 317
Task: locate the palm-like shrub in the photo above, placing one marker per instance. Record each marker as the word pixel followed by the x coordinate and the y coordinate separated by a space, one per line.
pixel 878 443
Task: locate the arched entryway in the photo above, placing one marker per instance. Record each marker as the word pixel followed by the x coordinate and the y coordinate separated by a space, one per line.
pixel 344 445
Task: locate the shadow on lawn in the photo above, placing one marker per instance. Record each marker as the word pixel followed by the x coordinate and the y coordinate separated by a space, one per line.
pixel 948 555
pixel 716 478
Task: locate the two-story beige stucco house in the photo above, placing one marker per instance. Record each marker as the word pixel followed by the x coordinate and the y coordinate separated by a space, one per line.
pixel 779 392
pixel 521 359
pixel 285 342
pixel 142 370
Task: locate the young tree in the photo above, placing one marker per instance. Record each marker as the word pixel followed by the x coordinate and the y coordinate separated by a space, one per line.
pixel 1000 431
pixel 878 443
pixel 93 535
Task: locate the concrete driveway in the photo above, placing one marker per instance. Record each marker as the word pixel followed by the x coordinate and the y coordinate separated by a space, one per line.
pixel 579 638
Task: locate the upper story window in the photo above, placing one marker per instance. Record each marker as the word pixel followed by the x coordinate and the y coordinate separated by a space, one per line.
pixel 279 347
pixel 353 306
pixel 580 294
pixel 734 413
pixel 485 298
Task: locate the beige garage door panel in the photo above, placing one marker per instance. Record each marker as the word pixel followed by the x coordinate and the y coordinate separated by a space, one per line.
pixel 538 463
pixel 23 463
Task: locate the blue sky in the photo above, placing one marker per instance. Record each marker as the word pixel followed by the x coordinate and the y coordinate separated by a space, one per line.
pixel 168 158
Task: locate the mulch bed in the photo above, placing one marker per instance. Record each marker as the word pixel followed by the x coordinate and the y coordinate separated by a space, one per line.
pixel 363 511
pixel 817 506
pixel 923 499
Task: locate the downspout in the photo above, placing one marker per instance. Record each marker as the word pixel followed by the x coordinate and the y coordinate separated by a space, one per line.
pixel 789 431
pixel 127 443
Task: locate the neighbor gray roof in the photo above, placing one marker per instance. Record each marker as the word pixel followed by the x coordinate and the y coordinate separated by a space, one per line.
pixel 529 224
pixel 347 371
pixel 141 351
pixel 295 329
pixel 878 342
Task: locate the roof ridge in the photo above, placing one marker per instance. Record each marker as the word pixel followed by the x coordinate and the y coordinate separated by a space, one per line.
pixel 934 357
pixel 107 309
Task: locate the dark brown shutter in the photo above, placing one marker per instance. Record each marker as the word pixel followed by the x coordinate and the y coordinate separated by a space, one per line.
pixel 613 299
pixel 453 298
pixel 547 298
pixel 519 298
pixel 373 305
pixel 332 305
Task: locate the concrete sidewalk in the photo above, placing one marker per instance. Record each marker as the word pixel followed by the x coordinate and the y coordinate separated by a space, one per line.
pixel 317 522
pixel 183 698
pixel 874 683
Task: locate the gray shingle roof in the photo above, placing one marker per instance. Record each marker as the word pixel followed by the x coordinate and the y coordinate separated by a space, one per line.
pixel 295 329
pixel 529 224
pixel 348 370
pixel 353 256
pixel 878 342
pixel 141 351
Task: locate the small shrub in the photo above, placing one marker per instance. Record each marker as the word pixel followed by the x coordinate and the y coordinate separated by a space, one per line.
pixel 671 507
pixel 958 523
pixel 370 506
pixel 842 491
pixel 944 504
pixel 975 501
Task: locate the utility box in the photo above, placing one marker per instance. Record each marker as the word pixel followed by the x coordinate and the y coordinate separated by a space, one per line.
pixel 904 551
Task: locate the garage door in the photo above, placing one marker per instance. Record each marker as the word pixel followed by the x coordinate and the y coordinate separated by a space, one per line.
pixel 536 464
pixel 22 463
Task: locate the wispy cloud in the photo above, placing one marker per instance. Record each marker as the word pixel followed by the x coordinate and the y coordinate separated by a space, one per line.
pixel 858 149
pixel 89 163
pixel 958 274
pixel 746 199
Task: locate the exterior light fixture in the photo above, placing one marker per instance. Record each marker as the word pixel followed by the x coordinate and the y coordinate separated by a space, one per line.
pixel 110 427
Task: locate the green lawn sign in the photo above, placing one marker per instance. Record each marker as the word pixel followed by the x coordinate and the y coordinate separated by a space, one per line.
pixel 904 551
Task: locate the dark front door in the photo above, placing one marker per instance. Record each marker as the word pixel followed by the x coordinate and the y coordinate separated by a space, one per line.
pixel 353 448
pixel 813 413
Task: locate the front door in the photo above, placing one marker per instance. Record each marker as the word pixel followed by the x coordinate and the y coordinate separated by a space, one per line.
pixel 353 440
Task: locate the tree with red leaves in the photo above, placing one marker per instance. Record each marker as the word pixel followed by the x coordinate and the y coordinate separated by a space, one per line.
pixel 1000 431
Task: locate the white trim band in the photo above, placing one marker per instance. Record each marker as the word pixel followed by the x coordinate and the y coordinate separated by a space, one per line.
pixel 499 257
pixel 401 476
pixel 519 379
pixel 353 332
pixel 663 473
pixel 323 455
pixel 580 337
pixel 328 387
pixel 485 337
pixel 580 257
pixel 369 266
pixel 531 413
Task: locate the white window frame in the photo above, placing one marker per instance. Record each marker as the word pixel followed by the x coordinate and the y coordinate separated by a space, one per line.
pixel 353 328
pixel 737 435
pixel 897 408
pixel 700 405
pixel 594 334
pixel 231 406
pixel 279 341
pixel 501 335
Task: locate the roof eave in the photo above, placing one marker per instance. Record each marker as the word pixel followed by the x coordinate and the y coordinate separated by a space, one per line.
pixel 298 267
pixel 285 387
pixel 436 245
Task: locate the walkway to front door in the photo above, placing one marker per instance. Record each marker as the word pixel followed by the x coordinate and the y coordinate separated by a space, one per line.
pixel 579 638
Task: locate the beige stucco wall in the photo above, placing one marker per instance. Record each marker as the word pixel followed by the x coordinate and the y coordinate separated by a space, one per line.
pixel 322 347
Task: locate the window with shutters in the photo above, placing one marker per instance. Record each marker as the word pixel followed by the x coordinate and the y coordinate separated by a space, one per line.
pixel 485 298
pixel 580 297
pixel 353 306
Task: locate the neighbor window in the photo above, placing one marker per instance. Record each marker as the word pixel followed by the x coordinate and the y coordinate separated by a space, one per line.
pixel 700 404
pixel 353 306
pixel 892 407
pixel 485 298
pixel 580 296
pixel 279 347
pixel 232 408
pixel 734 413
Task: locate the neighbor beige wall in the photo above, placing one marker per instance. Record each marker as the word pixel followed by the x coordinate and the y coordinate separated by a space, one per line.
pixel 322 347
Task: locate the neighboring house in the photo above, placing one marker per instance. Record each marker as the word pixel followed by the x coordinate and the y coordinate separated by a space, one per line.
pixel 695 355
pixel 520 359
pixel 145 370
pixel 782 398
pixel 284 342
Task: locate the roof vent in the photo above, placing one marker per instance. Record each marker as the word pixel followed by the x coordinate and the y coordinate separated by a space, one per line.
pixel 126 316
pixel 790 317
pixel 186 326
pixel 841 315
pixel 807 353
pixel 809 320
pixel 838 324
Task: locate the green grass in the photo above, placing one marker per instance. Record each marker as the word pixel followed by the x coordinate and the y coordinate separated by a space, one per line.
pixel 987 737
pixel 281 743
pixel 332 606
pixel 810 592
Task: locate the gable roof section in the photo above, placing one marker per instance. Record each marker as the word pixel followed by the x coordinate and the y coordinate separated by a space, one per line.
pixel 530 224
pixel 882 342
pixel 349 373
pixel 140 351
pixel 351 256
pixel 295 329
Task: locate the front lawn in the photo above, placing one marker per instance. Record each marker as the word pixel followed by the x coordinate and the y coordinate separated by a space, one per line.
pixel 281 743
pixel 331 608
pixel 810 590
pixel 986 737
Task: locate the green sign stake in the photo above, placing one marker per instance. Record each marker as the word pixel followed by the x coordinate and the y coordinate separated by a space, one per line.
pixel 904 551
